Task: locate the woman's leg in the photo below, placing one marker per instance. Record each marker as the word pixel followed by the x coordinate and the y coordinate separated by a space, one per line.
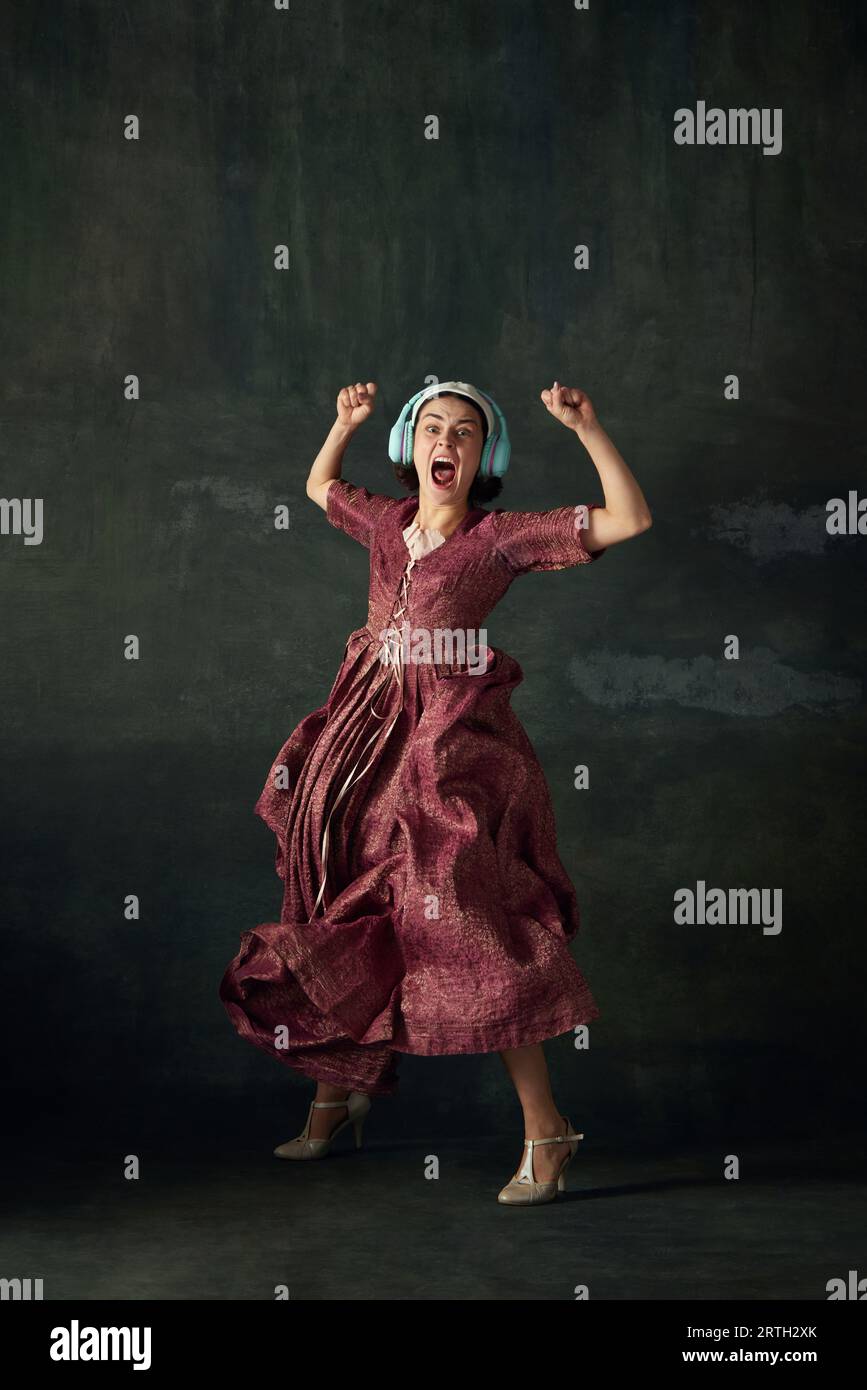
pixel 542 1120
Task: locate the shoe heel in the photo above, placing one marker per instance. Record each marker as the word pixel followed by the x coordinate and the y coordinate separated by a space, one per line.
pixel 561 1180
pixel 359 1126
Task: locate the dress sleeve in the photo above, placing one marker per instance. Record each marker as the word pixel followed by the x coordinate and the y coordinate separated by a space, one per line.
pixel 552 540
pixel 355 510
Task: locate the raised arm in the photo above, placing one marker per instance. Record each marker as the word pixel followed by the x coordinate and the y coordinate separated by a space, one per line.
pixel 626 512
pixel 354 405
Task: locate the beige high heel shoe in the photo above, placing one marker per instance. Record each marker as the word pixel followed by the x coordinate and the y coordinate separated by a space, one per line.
pixel 523 1190
pixel 357 1105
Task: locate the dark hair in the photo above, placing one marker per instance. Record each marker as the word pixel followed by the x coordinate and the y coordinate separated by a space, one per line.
pixel 482 489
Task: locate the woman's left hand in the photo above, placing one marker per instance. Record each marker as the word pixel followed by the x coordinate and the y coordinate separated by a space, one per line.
pixel 570 406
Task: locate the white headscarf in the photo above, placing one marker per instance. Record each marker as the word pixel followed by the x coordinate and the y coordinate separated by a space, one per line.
pixel 460 388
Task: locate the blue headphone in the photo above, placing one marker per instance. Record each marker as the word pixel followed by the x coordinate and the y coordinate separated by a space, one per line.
pixel 497 447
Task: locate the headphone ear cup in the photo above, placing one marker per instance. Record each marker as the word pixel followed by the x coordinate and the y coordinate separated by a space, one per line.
pixel 500 461
pixel 490 454
pixel 395 439
pixel 400 439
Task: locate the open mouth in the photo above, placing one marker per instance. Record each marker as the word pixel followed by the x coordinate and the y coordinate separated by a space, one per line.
pixel 443 472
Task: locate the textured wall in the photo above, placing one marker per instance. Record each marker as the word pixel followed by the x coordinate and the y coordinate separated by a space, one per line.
pixel 453 257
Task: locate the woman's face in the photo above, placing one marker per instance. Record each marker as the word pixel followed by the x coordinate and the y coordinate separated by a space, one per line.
pixel 446 449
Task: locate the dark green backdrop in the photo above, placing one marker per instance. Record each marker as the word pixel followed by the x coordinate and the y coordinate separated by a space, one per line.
pixel 411 257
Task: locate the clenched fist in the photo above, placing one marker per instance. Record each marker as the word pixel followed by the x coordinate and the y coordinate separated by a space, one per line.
pixel 570 406
pixel 355 403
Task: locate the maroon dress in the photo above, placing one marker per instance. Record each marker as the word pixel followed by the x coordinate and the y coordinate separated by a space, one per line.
pixel 425 908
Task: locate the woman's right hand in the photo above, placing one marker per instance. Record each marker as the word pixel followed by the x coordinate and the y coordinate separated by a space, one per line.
pixel 355 403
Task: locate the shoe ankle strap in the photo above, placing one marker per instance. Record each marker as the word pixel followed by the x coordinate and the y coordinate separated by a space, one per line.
pixel 329 1104
pixel 557 1139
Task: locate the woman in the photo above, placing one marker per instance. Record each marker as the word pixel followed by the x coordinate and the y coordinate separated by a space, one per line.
pixel 425 907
